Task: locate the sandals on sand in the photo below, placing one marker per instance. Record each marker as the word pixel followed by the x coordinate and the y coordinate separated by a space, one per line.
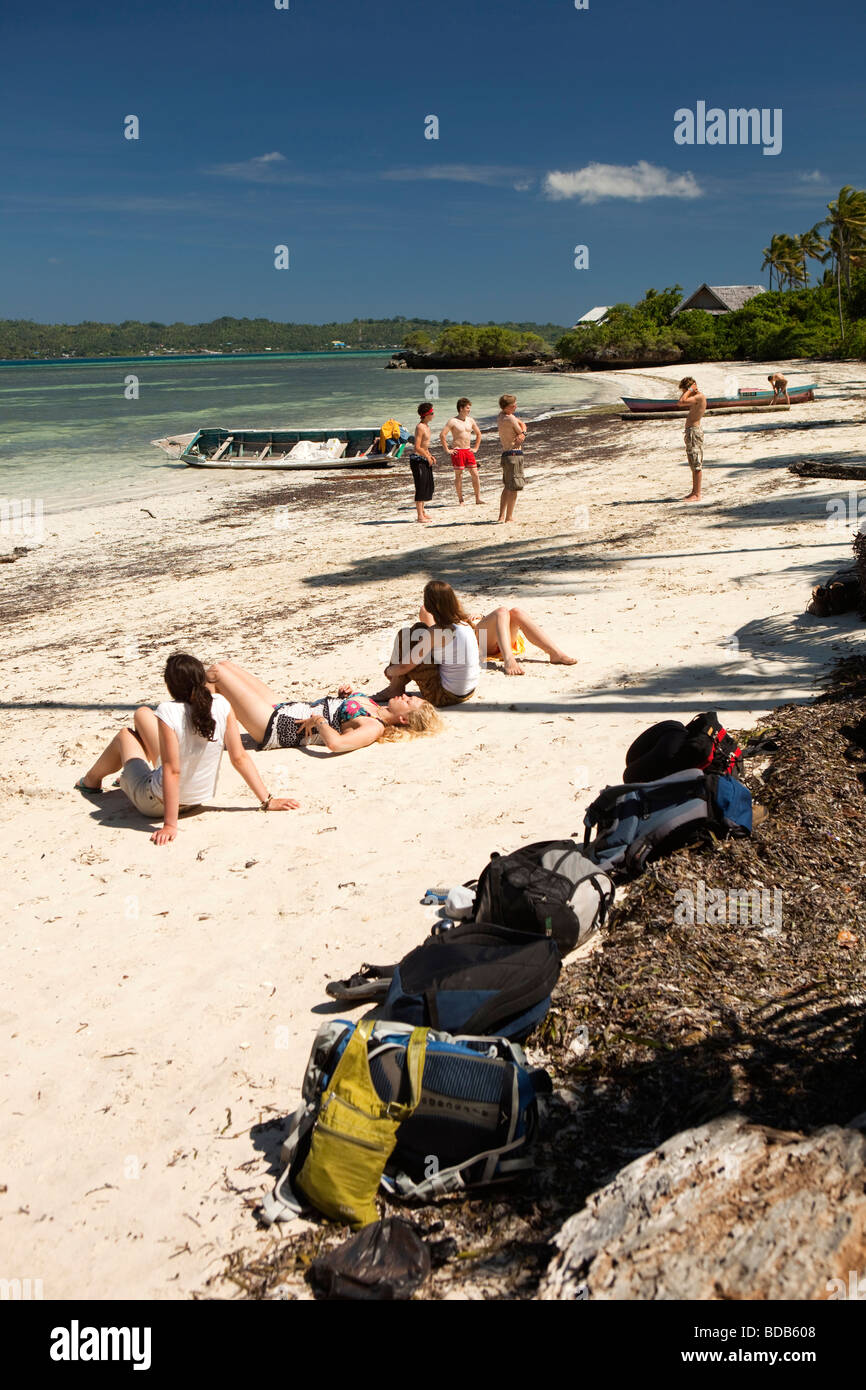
pixel 81 786
pixel 368 985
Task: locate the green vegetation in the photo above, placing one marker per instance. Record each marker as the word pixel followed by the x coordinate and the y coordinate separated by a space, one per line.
pixel 794 320
pixel 21 338
pixel 480 345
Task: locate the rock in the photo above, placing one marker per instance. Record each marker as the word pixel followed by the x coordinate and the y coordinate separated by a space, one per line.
pixel 730 1210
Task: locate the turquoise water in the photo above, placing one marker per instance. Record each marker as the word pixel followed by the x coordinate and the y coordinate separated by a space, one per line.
pixel 70 437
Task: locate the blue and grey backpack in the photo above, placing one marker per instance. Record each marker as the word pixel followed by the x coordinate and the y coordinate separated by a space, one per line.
pixel 639 820
pixel 474 1122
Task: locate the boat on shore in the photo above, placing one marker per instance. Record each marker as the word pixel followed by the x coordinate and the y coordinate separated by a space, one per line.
pixel 796 395
pixel 286 449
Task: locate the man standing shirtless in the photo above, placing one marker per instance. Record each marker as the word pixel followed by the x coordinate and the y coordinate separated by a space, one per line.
pixel 694 434
pixel 512 433
pixel 779 384
pixel 421 462
pixel 462 428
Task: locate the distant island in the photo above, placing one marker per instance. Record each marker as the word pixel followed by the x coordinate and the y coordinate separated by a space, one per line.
pixel 24 340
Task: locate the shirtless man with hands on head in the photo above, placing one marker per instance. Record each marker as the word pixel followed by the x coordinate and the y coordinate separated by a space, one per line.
pixel 694 434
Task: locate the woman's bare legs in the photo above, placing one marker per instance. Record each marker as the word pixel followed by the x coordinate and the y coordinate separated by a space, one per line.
pixel 407 653
pixel 252 701
pixel 147 728
pixel 232 668
pixel 500 629
pixel 520 621
pixel 122 747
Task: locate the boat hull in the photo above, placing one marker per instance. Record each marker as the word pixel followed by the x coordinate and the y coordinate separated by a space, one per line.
pixel 795 393
pixel 271 449
pixel 641 406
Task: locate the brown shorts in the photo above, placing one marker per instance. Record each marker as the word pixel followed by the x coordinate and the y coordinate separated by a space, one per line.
pixel 429 682
pixel 694 437
pixel 513 479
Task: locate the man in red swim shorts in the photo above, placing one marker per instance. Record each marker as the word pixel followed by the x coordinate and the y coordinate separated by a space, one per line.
pixel 462 428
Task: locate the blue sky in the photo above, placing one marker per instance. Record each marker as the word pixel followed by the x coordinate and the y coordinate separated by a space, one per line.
pixel 306 127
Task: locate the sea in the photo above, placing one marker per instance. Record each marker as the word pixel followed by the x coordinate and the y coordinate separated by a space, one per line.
pixel 77 434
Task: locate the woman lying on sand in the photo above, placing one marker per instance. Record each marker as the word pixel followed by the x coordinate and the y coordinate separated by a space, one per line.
pixel 342 723
pixel 182 744
pixel 441 651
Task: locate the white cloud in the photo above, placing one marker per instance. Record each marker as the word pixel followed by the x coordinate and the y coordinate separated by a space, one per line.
pixel 490 174
pixel 633 181
pixel 264 168
pixel 813 176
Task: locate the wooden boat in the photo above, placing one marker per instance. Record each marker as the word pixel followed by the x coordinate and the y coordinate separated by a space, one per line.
pixel 642 406
pixel 254 449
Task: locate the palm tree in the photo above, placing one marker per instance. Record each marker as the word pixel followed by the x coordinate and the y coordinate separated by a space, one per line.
pixel 811 245
pixel 774 257
pixel 847 239
pixel 790 261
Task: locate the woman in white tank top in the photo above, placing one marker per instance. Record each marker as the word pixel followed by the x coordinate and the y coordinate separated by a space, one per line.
pixel 170 762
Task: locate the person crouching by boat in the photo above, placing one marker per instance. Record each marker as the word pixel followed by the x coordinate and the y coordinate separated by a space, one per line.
pixel 421 462
pixel 779 384
pixel 342 723
pixel 170 762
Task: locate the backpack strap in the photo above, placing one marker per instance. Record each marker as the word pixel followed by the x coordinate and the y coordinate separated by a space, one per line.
pixel 450 1179
pixel 281 1204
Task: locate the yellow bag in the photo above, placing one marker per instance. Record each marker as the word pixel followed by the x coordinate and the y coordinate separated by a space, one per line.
pixel 355 1132
pixel 390 430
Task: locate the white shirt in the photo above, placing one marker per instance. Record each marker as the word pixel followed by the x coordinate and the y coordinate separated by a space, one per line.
pixel 459 670
pixel 199 758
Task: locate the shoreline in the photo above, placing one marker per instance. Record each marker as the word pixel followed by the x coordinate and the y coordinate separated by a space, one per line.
pixel 160 1003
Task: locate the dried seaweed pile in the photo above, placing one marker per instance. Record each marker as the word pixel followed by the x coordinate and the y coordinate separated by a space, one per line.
pixel 860 561
pixel 759 1007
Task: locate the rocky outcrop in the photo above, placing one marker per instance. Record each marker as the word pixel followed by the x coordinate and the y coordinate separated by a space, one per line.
pixel 730 1210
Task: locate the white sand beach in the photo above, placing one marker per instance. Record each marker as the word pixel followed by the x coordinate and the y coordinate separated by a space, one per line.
pixel 160 1003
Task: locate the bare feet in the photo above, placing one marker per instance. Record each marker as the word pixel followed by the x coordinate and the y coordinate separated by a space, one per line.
pixel 501 520
pixel 560 659
pixel 693 497
pixel 479 501
pixel 513 668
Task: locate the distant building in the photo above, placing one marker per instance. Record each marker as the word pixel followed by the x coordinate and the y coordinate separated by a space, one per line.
pixel 718 299
pixel 336 343
pixel 597 315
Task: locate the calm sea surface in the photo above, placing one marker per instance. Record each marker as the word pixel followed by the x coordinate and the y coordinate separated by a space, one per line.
pixel 70 437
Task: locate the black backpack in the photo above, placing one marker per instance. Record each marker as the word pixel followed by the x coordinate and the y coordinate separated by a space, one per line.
pixel 477 979
pixel 550 888
pixel 669 747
